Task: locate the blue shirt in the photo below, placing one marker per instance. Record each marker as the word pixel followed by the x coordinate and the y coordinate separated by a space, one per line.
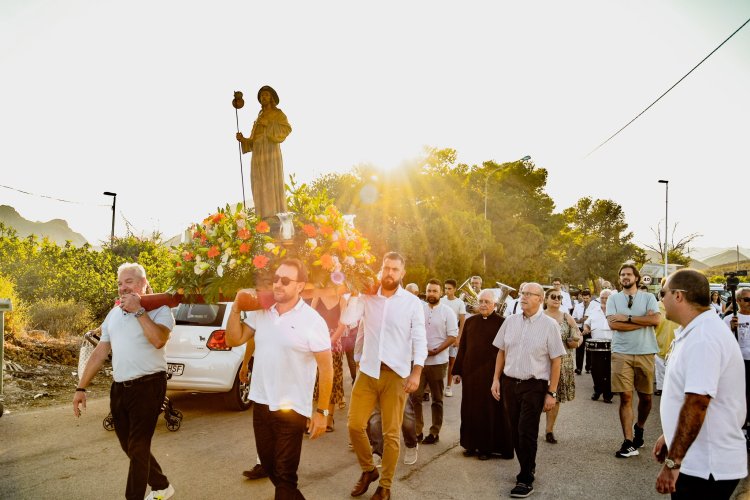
pixel 642 340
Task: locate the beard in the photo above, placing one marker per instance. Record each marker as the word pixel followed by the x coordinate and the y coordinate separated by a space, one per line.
pixel 629 285
pixel 432 300
pixel 389 284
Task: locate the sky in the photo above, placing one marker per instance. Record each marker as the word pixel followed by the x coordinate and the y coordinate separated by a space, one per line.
pixel 135 98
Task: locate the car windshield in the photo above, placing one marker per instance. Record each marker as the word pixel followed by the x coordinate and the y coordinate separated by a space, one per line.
pixel 200 314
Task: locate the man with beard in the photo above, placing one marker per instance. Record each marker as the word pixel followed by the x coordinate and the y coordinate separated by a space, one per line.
pixel 136 339
pixel 632 315
pixel 529 357
pixel 442 329
pixel 394 337
pixel 291 344
pixel 485 429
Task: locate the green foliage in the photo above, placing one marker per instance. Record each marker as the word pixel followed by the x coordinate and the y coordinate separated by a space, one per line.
pixel 15 321
pixel 60 318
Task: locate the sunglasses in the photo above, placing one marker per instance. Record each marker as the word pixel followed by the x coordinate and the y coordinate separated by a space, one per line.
pixel 743 299
pixel 284 280
pixel 555 297
pixel 663 292
pixel 630 300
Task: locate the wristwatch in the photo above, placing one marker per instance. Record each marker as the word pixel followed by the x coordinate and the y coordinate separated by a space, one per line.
pixel 322 412
pixel 552 393
pixel 140 312
pixel 671 464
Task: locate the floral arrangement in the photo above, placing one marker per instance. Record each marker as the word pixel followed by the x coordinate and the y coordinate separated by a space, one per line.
pixel 227 251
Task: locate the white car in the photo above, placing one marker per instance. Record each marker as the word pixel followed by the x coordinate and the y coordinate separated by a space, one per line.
pixel 198 358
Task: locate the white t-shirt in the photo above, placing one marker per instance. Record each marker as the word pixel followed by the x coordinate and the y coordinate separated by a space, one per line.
pixel 706 360
pixel 457 305
pixel 440 323
pixel 284 369
pixel 599 325
pixel 743 333
pixel 133 355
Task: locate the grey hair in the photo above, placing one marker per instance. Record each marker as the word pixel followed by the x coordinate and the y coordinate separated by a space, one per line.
pixel 487 291
pixel 138 269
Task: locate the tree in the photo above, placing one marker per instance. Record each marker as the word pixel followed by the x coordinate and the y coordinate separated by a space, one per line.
pixel 677 252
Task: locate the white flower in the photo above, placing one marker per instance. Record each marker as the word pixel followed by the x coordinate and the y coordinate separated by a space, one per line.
pixel 268 247
pixel 220 271
pixel 349 260
pixel 311 242
pixel 241 223
pixel 232 263
pixel 198 269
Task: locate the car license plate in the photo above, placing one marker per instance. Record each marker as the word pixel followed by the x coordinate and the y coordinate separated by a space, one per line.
pixel 175 369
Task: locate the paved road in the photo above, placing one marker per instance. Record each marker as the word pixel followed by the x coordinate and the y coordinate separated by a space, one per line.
pixel 50 454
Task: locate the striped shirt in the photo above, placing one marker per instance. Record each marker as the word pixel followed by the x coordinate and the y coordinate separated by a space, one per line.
pixel 529 344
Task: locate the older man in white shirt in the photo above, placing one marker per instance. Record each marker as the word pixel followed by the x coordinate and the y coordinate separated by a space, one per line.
pixel 394 335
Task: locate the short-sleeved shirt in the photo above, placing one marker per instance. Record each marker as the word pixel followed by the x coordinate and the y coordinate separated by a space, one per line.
pixel 133 356
pixel 457 305
pixel 440 323
pixel 529 345
pixel 642 340
pixel 706 360
pixel 743 333
pixel 599 325
pixel 285 367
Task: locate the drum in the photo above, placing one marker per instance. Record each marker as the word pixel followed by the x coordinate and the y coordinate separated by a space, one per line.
pixel 598 345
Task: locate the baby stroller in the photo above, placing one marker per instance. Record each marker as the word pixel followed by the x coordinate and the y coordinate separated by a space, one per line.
pixel 172 416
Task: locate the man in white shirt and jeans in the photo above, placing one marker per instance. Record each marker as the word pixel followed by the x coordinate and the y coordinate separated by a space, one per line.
pixel 292 344
pixel 394 335
pixel 459 309
pixel 702 403
pixel 442 329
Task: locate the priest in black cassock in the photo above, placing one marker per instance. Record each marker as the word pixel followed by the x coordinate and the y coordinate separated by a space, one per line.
pixel 485 428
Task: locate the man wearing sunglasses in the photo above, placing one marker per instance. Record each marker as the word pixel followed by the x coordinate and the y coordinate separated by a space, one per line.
pixel 702 407
pixel 393 354
pixel 291 345
pixel 632 315
pixel 740 323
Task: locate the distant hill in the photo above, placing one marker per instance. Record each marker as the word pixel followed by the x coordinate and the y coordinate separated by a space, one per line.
pixel 56 230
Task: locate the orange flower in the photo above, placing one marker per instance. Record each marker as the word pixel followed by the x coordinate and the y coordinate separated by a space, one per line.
pixel 213 252
pixel 204 239
pixel 262 227
pixel 326 261
pixel 309 230
pixel 244 248
pixel 243 233
pixel 260 261
pixel 326 230
pixel 216 218
pixel 196 234
pixel 188 256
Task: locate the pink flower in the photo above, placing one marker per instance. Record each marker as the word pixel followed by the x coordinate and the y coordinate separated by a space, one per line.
pixel 337 278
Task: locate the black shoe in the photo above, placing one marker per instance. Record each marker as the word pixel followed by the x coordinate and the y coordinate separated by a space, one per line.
pixel 521 490
pixel 578 372
pixel 595 396
pixel 484 456
pixel 470 453
pixel 638 436
pixel 420 437
pixel 426 397
pixel 431 439
pixel 626 450
pixel 257 472
pixel 608 401
pixel 588 370
pixel 657 393
pixel 550 438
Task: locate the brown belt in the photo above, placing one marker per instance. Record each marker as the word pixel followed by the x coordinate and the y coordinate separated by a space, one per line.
pixel 385 367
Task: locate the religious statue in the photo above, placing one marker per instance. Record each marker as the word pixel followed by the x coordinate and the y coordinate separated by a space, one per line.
pixel 266 168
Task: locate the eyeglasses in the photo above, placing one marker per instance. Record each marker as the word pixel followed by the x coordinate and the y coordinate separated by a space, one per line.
pixel 663 292
pixel 555 297
pixel 284 280
pixel 743 299
pixel 527 294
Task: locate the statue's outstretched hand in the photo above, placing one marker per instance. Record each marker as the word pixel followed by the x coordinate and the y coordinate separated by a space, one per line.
pixel 239 136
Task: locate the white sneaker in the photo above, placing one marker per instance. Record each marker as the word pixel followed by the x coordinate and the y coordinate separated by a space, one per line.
pixel 448 392
pixel 377 460
pixel 161 494
pixel 410 455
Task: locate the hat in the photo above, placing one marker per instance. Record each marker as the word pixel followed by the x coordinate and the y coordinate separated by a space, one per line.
pixel 272 91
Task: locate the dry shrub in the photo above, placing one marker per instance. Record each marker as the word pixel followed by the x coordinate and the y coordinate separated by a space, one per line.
pixel 61 318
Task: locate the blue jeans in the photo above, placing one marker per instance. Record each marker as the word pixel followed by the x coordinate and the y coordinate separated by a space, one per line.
pixel 408 428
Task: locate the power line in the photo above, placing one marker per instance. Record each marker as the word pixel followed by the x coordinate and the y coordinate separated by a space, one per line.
pixel 667 91
pixel 52 197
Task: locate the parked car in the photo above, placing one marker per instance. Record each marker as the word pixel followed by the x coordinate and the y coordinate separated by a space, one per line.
pixel 198 357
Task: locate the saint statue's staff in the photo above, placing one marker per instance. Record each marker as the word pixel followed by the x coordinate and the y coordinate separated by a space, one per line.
pixel 238 102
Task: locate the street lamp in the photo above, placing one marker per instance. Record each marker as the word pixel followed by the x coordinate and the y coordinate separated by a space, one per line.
pixel 666 224
pixel 114 201
pixel 486 182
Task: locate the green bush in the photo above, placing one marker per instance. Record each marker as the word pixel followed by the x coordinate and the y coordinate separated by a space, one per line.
pixel 61 318
pixel 15 322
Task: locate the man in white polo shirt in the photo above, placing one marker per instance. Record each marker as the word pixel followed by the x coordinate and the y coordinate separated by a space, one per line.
pixel 459 309
pixel 291 344
pixel 136 339
pixel 529 358
pixel 394 336
pixel 702 403
pixel 442 329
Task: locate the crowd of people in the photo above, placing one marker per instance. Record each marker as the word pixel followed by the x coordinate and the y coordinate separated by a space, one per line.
pixel 513 361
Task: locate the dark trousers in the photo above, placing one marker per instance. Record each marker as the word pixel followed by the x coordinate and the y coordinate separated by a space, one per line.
pixel 696 488
pixel 580 353
pixel 135 410
pixel 434 377
pixel 278 439
pixel 524 402
pixel 601 372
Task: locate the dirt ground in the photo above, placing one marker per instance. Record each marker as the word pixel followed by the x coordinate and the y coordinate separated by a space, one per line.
pixel 41 371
